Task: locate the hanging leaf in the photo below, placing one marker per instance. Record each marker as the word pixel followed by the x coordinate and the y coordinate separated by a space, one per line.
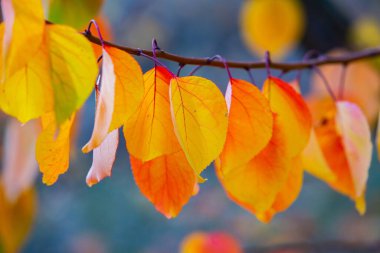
pixel 120 95
pixel 150 133
pixel 103 159
pixel 167 181
pixel 200 117
pixel 255 185
pixel 19 162
pixel 250 124
pixel 52 149
pixel 293 114
pixel 24 27
pixel 272 25
pixel 16 219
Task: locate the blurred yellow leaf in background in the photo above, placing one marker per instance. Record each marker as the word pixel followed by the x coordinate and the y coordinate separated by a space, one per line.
pixel 273 25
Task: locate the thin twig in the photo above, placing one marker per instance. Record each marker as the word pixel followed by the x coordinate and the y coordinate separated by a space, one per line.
pixel 321 60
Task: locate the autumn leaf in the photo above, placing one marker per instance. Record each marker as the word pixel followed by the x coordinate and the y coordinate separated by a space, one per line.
pixel 212 242
pixel 293 114
pixel 200 117
pixel 16 219
pixel 19 163
pixel 103 159
pixel 120 94
pixel 167 181
pixel 250 124
pixel 345 140
pixel 254 186
pixel 53 149
pixel 271 25
pixel 150 133
pixel 287 194
pixel 24 27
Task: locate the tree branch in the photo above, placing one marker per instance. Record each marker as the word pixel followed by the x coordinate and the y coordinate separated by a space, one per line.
pixel 321 60
pixel 314 247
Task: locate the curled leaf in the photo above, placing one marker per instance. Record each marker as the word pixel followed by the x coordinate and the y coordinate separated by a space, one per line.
pixel 103 159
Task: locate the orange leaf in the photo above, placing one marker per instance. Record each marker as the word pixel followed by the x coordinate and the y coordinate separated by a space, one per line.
pixel 293 114
pixel 255 185
pixel 167 181
pixel 288 193
pixel 52 149
pixel 103 159
pixel 214 242
pixel 19 162
pixel 250 124
pixel 150 133
pixel 200 118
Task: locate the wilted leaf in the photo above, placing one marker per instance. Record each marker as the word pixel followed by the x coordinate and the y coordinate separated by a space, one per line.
pixel 200 117
pixel 72 12
pixel 19 162
pixel 167 181
pixel 292 112
pixel 272 25
pixel 53 149
pixel 250 124
pixel 103 159
pixel 150 133
pixel 16 220
pixel 213 242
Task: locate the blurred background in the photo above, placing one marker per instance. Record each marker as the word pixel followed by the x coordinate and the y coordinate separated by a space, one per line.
pixel 113 216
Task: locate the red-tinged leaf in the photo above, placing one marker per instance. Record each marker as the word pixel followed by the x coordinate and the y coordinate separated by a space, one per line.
pixel 256 184
pixel 150 132
pixel 167 181
pixel 213 242
pixel 19 163
pixel 250 124
pixel 103 159
pixel 52 149
pixel 293 114
pixel 200 119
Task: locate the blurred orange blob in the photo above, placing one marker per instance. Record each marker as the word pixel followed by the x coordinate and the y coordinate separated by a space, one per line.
pixel 214 242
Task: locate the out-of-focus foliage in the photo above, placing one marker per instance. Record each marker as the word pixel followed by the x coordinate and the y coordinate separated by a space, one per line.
pixel 273 25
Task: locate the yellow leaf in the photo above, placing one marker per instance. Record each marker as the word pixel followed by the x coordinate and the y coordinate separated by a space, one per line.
pixel 250 124
pixel 73 69
pixel 167 181
pixel 52 149
pixel 103 159
pixel 19 163
pixel 274 25
pixel 24 27
pixel 200 117
pixel 16 219
pixel 150 132
pixel 293 114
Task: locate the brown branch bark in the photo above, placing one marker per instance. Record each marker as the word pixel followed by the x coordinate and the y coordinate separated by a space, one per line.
pixel 321 60
pixel 314 247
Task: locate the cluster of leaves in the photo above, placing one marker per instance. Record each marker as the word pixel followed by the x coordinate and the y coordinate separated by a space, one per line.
pixel 261 140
